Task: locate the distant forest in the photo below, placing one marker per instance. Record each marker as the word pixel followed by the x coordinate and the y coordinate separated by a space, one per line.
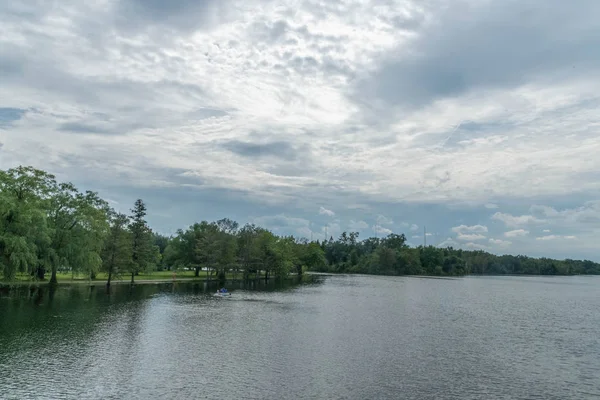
pixel 48 226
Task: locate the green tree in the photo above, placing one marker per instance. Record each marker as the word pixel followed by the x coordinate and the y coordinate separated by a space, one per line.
pixel 144 253
pixel 314 257
pixel 248 250
pixel 78 225
pixel 117 253
pixel 24 232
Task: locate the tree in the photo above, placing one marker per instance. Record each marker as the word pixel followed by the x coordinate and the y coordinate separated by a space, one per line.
pixel 384 260
pixel 78 222
pixel 24 231
pixel 207 247
pixel 144 253
pixel 161 243
pixel 314 257
pixel 117 253
pixel 47 225
pixel 248 251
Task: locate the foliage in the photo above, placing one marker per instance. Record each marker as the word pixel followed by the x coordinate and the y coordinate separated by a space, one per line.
pixel 50 226
pixel 117 252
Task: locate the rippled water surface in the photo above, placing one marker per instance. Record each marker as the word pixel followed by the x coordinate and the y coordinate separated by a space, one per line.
pixel 343 337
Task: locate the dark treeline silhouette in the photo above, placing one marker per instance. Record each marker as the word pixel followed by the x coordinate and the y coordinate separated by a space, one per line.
pixel 47 227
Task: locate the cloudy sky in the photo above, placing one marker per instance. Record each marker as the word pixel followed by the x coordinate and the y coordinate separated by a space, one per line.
pixel 475 118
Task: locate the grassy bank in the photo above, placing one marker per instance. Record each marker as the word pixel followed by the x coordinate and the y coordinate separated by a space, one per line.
pixel 149 277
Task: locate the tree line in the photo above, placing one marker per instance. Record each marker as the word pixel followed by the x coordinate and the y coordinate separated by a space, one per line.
pixel 48 226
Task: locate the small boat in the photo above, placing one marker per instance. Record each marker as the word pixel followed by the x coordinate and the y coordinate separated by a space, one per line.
pixel 222 294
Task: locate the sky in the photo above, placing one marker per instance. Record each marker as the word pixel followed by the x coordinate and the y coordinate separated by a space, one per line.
pixel 475 120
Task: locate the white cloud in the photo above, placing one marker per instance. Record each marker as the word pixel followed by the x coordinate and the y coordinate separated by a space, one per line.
pixel 469 237
pixel 587 214
pixel 491 206
pixel 556 237
pixel 420 236
pixel 546 231
pixel 515 221
pixel 380 230
pixel 449 242
pixel 500 243
pixel 463 229
pixel 324 211
pixel 476 246
pixel 414 227
pixel 382 220
pixel 357 226
pixel 516 232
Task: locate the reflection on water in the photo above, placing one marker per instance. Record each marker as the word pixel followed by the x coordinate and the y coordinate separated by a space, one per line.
pixel 337 337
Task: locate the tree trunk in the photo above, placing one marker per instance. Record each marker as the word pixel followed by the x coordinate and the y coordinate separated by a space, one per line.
pixel 53 280
pixel 132 277
pixel 109 278
pixel 93 275
pixel 197 272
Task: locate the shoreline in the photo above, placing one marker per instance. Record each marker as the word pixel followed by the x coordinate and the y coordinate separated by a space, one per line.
pixel 121 282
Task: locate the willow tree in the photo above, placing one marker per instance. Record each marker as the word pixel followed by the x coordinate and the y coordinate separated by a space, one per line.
pixel 78 225
pixel 24 233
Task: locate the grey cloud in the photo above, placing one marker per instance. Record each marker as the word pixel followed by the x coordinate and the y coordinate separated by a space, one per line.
pixel 204 113
pixel 467 130
pixel 40 71
pixel 277 149
pixel 281 221
pixel 281 157
pixel 271 32
pixel 78 127
pixel 184 15
pixel 497 44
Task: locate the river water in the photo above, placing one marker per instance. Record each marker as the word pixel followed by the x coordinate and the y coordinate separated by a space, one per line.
pixel 339 337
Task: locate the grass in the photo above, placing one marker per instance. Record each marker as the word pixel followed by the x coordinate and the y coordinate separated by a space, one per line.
pixel 101 277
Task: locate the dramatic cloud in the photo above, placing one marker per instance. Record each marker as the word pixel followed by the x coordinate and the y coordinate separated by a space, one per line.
pixel 440 114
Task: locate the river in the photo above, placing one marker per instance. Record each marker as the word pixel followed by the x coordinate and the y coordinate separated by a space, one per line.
pixel 339 337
